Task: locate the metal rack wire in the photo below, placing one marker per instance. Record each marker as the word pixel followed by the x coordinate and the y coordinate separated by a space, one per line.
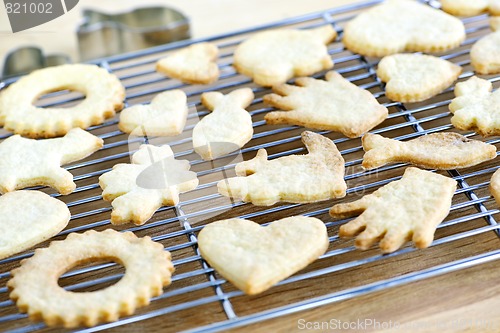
pixel 199 299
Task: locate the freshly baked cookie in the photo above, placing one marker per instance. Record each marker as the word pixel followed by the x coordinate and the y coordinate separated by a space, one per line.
pixel 335 104
pixel 29 218
pixel 227 128
pixel 495 186
pixel 254 258
pixel 442 151
pixel 103 91
pixel 416 77
pixel 410 208
pixel 475 107
pixel 485 53
pixel 28 162
pixel 195 64
pixel 471 7
pixel 154 179
pixel 495 23
pixel 402 25
pixel 272 57
pixel 165 116
pixel 316 176
pixel 34 286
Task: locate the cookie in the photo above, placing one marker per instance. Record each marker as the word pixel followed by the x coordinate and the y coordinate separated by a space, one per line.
pixel 272 57
pixel 442 151
pixel 34 286
pixel 475 107
pixel 227 128
pixel 254 258
pixel 402 25
pixel 317 176
pixel 154 179
pixel 103 92
pixel 195 64
pixel 416 77
pixel 410 208
pixel 335 104
pixel 485 53
pixel 495 23
pixel 495 186
pixel 29 218
pixel 165 116
pixel 29 162
pixel 470 7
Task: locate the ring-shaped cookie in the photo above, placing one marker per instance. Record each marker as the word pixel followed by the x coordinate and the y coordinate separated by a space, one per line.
pixel 103 91
pixel 36 291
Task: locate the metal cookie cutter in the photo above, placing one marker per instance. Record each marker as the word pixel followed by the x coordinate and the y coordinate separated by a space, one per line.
pixel 103 34
pixel 26 59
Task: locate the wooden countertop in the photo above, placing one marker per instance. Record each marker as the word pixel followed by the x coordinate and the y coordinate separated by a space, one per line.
pixel 472 295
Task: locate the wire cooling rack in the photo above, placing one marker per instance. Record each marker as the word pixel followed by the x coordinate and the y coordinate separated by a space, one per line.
pixel 199 299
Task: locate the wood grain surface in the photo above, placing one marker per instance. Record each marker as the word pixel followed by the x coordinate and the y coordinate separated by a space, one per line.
pixel 471 295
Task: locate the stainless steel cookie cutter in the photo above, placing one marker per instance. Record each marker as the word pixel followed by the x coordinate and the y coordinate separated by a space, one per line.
pixel 103 34
pixel 26 59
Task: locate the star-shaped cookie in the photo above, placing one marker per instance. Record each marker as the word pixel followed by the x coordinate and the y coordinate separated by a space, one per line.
pixel 410 208
pixel 154 179
pixel 314 177
pixel 475 107
pixel 416 77
pixel 272 57
pixel 29 162
pixel 335 104
pixel 402 25
pixel 165 116
pixel 195 64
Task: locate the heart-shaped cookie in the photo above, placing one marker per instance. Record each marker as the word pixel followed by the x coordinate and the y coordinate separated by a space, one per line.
pixel 195 64
pixel 29 218
pixel 254 258
pixel 165 116
pixel 416 77
pixel 402 25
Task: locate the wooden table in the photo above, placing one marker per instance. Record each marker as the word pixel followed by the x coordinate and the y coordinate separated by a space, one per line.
pixel 472 294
